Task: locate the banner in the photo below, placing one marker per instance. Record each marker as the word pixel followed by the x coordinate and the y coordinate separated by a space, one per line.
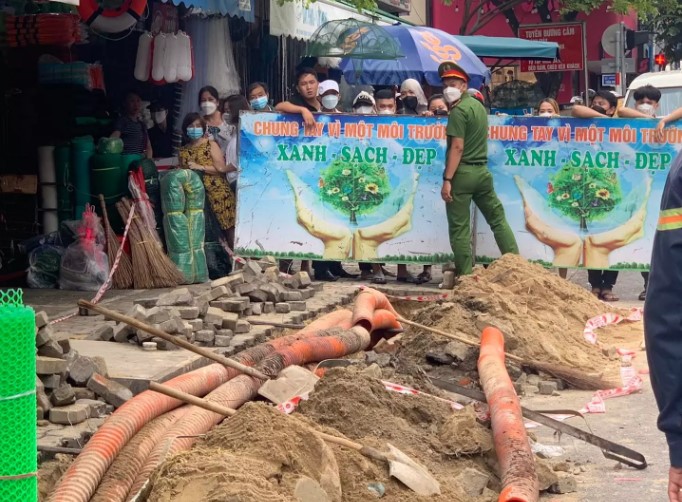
pixel 354 187
pixel 579 192
pixel 570 38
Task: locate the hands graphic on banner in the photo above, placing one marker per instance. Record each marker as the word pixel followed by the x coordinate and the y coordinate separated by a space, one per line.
pixel 340 242
pixel 594 249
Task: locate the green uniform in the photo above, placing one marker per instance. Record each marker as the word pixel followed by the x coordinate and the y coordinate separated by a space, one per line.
pixel 473 181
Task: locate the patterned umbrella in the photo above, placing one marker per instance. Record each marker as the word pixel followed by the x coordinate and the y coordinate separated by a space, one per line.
pixel 351 38
pixel 424 49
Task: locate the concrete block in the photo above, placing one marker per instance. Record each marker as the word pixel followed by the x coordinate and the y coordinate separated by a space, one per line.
pixel 123 332
pixel 222 341
pixel 65 344
pixel 192 337
pixel 271 274
pixel 297 306
pixel 83 393
pixel 449 279
pixel 41 319
pixel 242 327
pixel 247 312
pixel 307 294
pixel 205 336
pixel 49 365
pixel 188 313
pixel 196 324
pixel 63 395
pixel 70 415
pixel 186 329
pixel 273 295
pixel 292 296
pixel 138 312
pixel 230 320
pixel 44 335
pixel 256 308
pixel 113 392
pixel 301 280
pixel 156 315
pixel 219 292
pixel 236 304
pixel 51 381
pixel 214 316
pixel 547 388
pixel 268 262
pixel 97 408
pixel 268 307
pixel 529 390
pixel 103 332
pixel 246 288
pixel 258 296
pixel 84 367
pixel 51 349
pixel 251 271
pixel 565 484
pixel 180 296
pixel 163 344
pixel 147 302
pixel 282 308
pixel 230 280
pixel 225 332
pixel 472 481
pixel 43 401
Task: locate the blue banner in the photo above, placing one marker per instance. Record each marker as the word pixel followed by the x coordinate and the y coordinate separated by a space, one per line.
pixel 355 187
pixel 578 192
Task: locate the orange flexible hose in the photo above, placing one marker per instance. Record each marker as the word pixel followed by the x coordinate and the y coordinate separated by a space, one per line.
pixel 366 303
pixel 517 464
pixel 243 388
pixel 84 475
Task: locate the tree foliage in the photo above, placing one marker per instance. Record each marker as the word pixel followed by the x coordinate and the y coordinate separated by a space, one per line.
pixel 584 195
pixel 354 187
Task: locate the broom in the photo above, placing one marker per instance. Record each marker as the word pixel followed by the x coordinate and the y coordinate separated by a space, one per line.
pixel 123 276
pixel 575 378
pixel 151 267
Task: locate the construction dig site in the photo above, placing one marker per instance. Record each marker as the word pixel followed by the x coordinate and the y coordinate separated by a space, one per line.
pixel 382 398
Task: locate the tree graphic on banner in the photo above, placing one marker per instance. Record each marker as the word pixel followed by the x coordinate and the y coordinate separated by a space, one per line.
pixel 354 188
pixel 584 195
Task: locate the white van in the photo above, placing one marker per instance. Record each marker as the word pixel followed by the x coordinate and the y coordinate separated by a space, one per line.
pixel 668 82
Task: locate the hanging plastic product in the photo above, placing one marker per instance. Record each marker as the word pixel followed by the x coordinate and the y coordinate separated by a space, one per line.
pixel 186 62
pixel 158 57
pixel 143 61
pixel 171 59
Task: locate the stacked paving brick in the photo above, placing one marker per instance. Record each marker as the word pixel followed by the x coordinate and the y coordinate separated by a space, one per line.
pixel 71 388
pixel 217 317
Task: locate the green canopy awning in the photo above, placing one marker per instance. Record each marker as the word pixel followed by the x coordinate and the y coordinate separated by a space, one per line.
pixel 510 47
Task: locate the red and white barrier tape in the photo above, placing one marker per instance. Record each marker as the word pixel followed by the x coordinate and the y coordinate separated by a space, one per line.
pixel 107 284
pixel 607 319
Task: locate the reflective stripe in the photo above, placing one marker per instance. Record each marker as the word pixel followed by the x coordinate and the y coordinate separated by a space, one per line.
pixel 670 212
pixel 670 222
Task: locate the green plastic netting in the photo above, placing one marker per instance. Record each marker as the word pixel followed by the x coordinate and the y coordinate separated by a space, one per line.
pixel 182 200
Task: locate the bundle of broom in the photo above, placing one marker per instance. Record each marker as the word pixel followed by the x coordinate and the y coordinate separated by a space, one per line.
pixel 123 275
pixel 151 267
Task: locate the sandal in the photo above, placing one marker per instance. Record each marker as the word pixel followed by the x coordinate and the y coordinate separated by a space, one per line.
pixel 596 292
pixel 608 296
pixel 408 278
pixel 642 296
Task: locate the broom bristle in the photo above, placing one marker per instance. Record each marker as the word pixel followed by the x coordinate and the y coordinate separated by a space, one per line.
pixel 123 276
pixel 575 378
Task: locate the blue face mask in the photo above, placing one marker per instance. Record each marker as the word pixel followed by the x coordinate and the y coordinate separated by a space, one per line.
pixel 195 132
pixel 259 103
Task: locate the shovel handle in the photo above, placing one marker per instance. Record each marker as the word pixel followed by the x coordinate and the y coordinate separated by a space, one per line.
pixel 180 342
pixel 191 399
pixel 461 339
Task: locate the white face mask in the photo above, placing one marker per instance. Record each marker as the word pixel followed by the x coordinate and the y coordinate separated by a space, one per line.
pixel 451 94
pixel 364 110
pixel 386 112
pixel 208 108
pixel 330 101
pixel 159 117
pixel 647 109
pixel 545 114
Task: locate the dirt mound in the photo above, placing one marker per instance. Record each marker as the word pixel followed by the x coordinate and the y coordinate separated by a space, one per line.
pixel 541 315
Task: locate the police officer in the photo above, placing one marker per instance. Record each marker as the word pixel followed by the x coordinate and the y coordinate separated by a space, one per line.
pixel 466 176
pixel 663 323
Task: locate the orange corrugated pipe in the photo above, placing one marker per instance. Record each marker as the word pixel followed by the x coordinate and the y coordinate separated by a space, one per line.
pixel 517 464
pixel 84 475
pixel 244 388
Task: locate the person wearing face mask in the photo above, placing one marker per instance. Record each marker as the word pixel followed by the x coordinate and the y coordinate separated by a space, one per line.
pixel 160 136
pixel 328 91
pixel 204 156
pixel 466 176
pixel 437 107
pixel 547 108
pixel 412 97
pixel 130 128
pixel 211 110
pixel 257 94
pixel 364 104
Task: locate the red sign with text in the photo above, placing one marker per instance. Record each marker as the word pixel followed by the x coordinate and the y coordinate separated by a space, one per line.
pixel 569 36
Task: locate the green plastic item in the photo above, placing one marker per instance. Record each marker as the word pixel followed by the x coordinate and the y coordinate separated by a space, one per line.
pixel 17 400
pixel 182 200
pixel 62 163
pixel 110 145
pixel 82 148
pixel 108 176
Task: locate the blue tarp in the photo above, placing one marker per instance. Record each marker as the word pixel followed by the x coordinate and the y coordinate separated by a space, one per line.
pixel 509 47
pixel 238 8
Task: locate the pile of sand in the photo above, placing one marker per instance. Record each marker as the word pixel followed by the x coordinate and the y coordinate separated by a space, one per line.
pixel 261 454
pixel 541 315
